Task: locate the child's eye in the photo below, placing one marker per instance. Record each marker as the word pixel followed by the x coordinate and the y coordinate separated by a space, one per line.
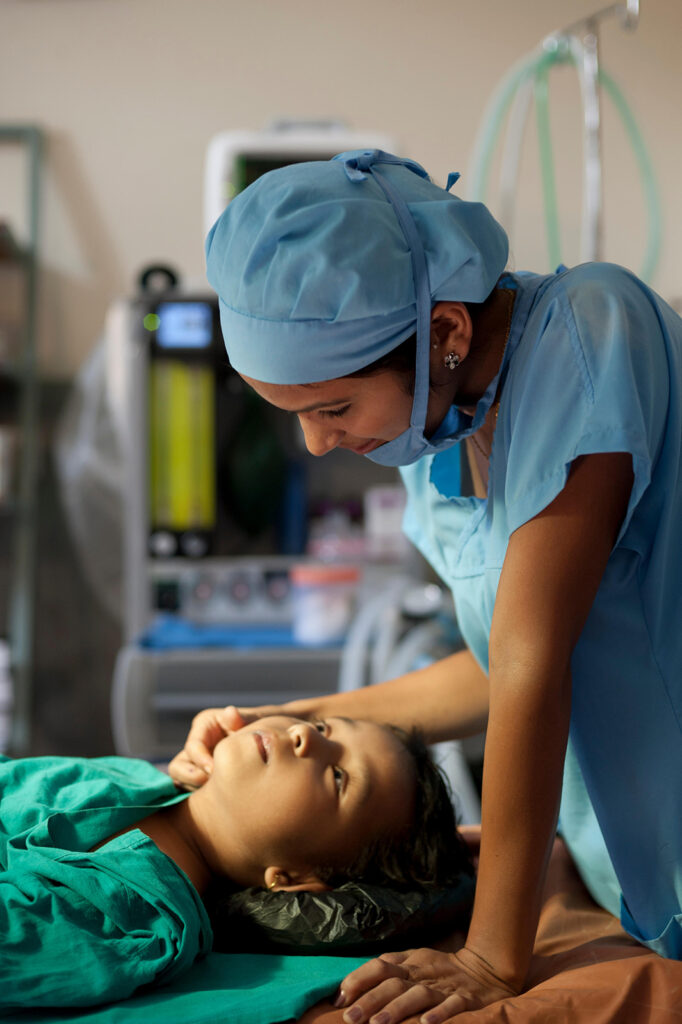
pixel 339 776
pixel 336 412
pixel 321 726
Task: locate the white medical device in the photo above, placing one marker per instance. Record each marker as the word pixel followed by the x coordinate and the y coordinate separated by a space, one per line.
pixel 235 159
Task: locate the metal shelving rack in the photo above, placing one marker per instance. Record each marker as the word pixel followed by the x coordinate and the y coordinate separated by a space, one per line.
pixel 21 516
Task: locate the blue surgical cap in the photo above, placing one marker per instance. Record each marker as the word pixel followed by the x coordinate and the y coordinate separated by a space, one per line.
pixel 317 265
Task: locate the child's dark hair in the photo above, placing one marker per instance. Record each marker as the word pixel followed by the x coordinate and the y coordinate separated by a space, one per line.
pixel 428 850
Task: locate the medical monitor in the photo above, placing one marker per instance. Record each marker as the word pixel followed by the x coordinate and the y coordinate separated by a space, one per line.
pixel 184 325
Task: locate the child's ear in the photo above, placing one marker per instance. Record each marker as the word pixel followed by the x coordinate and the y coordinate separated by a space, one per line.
pixel 279 880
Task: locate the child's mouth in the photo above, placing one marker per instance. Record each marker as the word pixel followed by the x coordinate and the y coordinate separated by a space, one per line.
pixel 263 744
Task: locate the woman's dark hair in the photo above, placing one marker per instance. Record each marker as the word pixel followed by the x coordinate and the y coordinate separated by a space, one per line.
pixel 402 358
pixel 428 850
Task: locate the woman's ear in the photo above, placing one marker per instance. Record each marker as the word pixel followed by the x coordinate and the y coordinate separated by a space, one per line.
pixel 279 880
pixel 451 331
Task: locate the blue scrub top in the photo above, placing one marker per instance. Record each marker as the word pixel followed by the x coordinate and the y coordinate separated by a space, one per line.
pixel 593 364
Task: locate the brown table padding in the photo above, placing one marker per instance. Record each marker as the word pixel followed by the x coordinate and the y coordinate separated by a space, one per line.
pixel 585 968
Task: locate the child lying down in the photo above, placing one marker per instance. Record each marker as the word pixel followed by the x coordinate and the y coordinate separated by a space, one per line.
pixel 103 863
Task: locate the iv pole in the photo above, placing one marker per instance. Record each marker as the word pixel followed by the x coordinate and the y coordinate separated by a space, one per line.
pixel 577 44
pixel 583 40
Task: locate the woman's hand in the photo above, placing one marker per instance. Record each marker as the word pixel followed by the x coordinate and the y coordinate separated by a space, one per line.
pixel 192 766
pixel 396 986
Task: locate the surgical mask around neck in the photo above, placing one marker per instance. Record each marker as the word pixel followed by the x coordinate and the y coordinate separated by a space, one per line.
pixel 411 445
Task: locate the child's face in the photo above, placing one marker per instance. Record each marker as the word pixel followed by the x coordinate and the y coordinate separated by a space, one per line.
pixel 302 794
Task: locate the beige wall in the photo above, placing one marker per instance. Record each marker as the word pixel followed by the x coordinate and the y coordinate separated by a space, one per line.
pixel 130 91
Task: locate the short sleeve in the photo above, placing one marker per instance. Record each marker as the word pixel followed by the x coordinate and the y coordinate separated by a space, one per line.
pixel 590 375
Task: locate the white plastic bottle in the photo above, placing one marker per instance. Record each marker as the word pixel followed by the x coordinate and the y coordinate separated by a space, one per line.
pixel 6 697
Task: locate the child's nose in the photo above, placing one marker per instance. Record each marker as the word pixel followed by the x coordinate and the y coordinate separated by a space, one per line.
pixel 301 738
pixel 308 740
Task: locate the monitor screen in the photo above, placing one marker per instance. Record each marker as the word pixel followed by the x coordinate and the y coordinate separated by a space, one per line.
pixel 250 166
pixel 184 324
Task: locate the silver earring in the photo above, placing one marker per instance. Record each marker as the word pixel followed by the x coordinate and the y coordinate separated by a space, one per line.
pixel 452 360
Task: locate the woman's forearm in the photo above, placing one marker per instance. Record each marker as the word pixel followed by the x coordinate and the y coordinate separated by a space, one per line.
pixel 552 569
pixel 446 700
pixel 525 748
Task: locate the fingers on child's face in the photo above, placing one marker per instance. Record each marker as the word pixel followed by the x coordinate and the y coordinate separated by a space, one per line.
pixel 185 773
pixel 230 718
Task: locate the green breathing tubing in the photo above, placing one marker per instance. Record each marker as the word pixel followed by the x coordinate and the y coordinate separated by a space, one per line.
pixel 537 67
pixel 549 191
pixel 647 174
pixel 494 116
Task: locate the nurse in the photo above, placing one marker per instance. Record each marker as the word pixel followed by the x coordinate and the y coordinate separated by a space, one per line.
pixel 376 307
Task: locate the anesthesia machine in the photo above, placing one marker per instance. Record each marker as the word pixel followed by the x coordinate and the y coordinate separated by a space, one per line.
pixel 225 512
